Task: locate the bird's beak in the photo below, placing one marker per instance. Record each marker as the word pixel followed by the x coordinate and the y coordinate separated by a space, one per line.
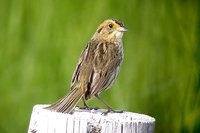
pixel 122 29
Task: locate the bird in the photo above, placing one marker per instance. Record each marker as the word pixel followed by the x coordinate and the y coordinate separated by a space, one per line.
pixel 97 68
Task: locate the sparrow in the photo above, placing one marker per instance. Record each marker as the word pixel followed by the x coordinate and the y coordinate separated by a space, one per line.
pixel 97 68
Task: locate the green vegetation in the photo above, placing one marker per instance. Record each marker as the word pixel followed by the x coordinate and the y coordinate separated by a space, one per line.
pixel 41 40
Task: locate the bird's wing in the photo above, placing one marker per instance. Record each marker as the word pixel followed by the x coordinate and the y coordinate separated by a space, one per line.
pixel 97 68
pixel 81 62
pixel 106 66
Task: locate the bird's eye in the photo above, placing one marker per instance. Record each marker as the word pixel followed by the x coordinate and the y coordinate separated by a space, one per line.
pixel 110 25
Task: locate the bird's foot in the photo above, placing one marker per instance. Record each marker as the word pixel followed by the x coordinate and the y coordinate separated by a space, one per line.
pixel 112 111
pixel 89 108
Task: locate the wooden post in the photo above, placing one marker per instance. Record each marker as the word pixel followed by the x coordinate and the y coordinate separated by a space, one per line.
pixel 88 121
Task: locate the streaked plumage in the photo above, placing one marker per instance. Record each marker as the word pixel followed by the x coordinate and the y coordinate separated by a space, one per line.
pixel 97 68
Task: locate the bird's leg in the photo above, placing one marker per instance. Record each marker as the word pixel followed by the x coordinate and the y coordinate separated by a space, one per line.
pixel 108 106
pixel 85 105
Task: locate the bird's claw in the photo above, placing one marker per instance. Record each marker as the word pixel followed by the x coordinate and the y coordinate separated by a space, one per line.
pixel 112 111
pixel 89 108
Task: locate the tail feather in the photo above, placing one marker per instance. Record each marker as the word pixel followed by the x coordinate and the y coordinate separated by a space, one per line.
pixel 68 102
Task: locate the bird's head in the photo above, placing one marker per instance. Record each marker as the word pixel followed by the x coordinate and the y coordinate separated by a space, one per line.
pixel 110 30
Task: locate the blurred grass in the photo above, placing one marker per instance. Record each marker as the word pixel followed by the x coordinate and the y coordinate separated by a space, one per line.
pixel 40 43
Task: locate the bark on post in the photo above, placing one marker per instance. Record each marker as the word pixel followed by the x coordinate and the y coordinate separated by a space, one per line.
pixel 85 121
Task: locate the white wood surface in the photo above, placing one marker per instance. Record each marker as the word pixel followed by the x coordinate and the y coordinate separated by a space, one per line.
pixel 88 121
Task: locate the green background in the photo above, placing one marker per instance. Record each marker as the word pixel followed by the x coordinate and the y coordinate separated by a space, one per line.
pixel 41 40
